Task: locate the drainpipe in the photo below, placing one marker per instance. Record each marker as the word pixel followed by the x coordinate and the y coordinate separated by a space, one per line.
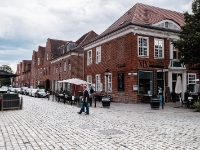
pixel 78 66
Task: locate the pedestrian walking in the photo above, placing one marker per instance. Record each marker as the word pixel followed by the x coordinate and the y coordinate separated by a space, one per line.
pixel 85 101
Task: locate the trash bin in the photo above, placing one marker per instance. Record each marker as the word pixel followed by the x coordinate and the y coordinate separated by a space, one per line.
pixel 106 101
pixel 155 102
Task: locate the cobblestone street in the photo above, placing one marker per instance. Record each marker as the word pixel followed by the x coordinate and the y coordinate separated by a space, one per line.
pixel 44 124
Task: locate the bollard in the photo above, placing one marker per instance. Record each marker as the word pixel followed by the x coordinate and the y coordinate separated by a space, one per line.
pixel 48 95
pixel 21 104
pixel 95 102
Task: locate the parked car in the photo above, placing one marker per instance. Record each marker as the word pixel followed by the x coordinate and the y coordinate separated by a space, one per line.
pixel 40 93
pixel 3 89
pixel 26 91
pixel 17 90
pixel 33 91
pixel 22 91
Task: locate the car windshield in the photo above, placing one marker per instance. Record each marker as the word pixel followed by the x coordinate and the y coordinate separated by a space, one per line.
pixel 41 90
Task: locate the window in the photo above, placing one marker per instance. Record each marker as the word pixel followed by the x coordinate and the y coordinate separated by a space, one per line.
pixel 38 61
pixel 176 53
pixel 145 82
pixel 98 83
pixel 121 82
pixel 191 82
pixel 98 55
pixel 176 63
pixel 158 48
pixel 89 80
pixel 89 57
pixel 69 64
pixel 143 46
pixel 60 67
pixel 168 24
pixel 65 66
pixel 56 68
pixel 47 57
pixel 109 83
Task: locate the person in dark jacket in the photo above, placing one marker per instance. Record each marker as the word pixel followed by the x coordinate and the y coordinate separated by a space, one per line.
pixel 85 101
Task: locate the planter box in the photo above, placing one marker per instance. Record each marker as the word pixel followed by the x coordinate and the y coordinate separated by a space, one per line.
pixel 106 101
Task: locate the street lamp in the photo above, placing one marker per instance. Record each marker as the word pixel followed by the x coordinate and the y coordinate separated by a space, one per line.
pixel 106 74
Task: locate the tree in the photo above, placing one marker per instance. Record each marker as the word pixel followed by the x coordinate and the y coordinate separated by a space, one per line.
pixel 7 68
pixel 5 81
pixel 189 42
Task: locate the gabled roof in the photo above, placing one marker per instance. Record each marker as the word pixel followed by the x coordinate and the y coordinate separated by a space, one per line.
pixel 54 46
pixel 41 51
pixel 143 14
pixel 85 38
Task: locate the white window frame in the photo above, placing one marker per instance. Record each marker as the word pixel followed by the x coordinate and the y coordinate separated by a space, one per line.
pixel 192 80
pixel 38 61
pixel 89 80
pixel 98 54
pixel 65 66
pixel 89 57
pixel 158 51
pixel 98 82
pixel 69 65
pixel 143 50
pixel 109 83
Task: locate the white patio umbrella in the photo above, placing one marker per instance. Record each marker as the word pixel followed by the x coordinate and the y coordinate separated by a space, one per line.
pixel 178 87
pixel 75 81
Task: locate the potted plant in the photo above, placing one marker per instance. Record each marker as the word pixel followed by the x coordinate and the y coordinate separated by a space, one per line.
pixel 197 105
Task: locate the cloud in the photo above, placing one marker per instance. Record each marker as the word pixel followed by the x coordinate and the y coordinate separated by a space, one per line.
pixel 27 24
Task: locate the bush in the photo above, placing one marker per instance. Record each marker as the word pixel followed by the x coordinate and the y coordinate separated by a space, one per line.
pixel 41 86
pixel 197 105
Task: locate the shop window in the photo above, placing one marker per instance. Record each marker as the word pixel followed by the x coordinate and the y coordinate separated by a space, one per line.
pixel 145 82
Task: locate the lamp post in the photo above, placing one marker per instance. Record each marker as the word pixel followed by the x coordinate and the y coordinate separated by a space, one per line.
pixel 162 90
pixel 106 74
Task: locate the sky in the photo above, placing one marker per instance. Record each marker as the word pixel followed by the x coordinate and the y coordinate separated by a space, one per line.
pixel 27 24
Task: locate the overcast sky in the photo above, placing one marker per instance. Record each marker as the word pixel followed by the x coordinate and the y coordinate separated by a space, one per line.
pixel 26 24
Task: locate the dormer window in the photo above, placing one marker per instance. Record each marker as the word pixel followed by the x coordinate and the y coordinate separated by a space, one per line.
pixel 168 24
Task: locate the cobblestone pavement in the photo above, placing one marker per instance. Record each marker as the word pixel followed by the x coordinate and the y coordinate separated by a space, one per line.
pixel 44 124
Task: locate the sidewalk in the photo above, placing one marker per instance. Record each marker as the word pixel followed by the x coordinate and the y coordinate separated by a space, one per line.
pixel 44 124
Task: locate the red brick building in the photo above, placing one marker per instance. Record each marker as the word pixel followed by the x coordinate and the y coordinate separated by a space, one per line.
pixel 24 72
pixel 58 60
pixel 134 51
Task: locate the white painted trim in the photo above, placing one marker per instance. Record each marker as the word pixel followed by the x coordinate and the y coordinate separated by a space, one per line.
pixel 135 30
pixel 63 57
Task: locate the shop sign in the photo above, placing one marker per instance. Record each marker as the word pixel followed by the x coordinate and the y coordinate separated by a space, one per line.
pixel 146 63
